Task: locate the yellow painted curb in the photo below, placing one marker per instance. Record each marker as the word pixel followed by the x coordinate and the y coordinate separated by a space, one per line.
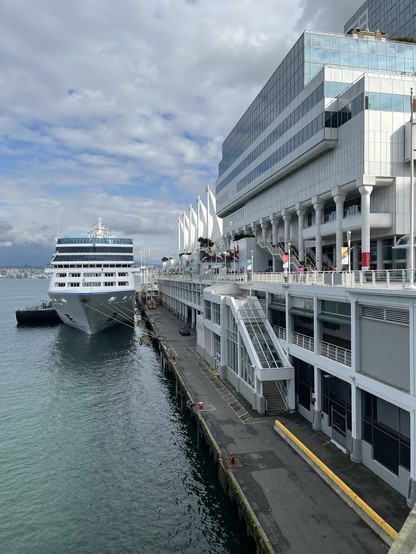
pixel 339 482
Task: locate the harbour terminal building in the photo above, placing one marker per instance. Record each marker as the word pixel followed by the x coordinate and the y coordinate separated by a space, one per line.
pixel 309 301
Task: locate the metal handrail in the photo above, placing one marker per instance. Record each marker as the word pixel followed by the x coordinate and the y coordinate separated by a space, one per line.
pixel 282 388
pixel 304 341
pixel 336 353
pixel 381 279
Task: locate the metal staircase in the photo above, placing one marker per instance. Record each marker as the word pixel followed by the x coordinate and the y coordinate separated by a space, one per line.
pixel 274 250
pixel 279 250
pixel 310 257
pixel 275 397
pixel 263 348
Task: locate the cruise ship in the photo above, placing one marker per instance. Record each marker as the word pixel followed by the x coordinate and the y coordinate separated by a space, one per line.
pixel 92 281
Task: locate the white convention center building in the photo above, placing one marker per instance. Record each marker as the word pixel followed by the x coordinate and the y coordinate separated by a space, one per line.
pixel 313 307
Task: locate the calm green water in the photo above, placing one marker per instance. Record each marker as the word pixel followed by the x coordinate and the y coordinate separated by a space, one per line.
pixel 95 454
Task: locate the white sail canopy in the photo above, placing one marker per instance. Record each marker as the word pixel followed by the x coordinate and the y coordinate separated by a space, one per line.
pixel 202 223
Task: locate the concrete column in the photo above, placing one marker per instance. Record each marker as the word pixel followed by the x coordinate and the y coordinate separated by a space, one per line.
pixel 291 394
pixel 317 420
pixel 379 254
pixel 356 423
pixel 339 200
pixel 365 191
pixel 264 225
pixel 301 218
pixel 222 369
pixel 275 225
pixel 316 416
pixel 411 496
pixel 318 207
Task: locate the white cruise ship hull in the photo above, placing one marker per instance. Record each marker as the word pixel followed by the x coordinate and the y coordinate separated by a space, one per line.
pixel 94 312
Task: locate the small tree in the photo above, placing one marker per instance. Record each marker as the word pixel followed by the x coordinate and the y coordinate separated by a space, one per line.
pixel 205 242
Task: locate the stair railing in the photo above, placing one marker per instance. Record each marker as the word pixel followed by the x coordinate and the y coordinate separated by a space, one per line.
pixel 282 388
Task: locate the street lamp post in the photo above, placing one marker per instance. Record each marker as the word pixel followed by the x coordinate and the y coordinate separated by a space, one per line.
pixel 252 264
pixel 349 250
pixel 288 262
pixel 412 195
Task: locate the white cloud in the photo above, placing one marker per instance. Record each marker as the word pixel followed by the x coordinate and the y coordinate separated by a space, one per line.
pixel 119 109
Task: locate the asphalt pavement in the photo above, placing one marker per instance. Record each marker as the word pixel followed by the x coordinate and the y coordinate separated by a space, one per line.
pixel 297 510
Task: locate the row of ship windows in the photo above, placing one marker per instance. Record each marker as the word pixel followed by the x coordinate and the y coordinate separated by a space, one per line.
pixel 93 284
pixel 120 274
pixel 99 266
pixel 96 240
pixel 93 258
pixel 94 249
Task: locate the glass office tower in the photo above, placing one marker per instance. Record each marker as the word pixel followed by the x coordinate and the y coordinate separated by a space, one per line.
pixel 397 18
pixel 256 146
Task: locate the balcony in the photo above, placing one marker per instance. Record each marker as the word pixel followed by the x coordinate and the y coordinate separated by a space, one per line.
pixel 303 341
pixel 336 353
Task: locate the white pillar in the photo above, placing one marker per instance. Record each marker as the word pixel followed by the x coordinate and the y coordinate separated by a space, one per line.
pixel 264 224
pixel 275 224
pixel 339 200
pixel 318 207
pixel 301 218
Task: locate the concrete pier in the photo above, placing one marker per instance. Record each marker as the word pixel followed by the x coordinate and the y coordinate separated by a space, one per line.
pixel 286 503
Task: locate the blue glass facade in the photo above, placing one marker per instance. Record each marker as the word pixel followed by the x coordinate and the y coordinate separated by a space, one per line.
pixel 310 54
pixel 357 53
pixel 397 18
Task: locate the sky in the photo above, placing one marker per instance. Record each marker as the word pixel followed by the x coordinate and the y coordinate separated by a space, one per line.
pixel 118 109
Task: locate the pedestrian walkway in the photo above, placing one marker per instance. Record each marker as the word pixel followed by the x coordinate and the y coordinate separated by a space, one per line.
pixel 297 510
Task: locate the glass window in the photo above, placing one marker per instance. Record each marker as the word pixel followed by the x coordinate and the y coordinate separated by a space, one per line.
pixel 374 101
pixel 363 46
pixel 409 65
pixel 334 42
pixel 381 48
pixel 399 64
pixel 354 59
pixel 315 40
pixel 363 60
pixel 353 45
pixel 398 104
pixel 386 102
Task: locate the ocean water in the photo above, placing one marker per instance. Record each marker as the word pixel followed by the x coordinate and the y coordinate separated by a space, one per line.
pixel 95 454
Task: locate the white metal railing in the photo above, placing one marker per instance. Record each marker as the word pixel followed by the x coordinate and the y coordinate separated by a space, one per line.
pixel 303 341
pixel 282 388
pixel 280 332
pixel 381 279
pixel 336 353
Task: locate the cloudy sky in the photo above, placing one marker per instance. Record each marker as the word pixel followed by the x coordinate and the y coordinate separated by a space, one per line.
pixel 119 108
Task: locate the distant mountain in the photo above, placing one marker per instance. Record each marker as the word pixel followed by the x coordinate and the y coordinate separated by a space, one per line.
pixel 31 255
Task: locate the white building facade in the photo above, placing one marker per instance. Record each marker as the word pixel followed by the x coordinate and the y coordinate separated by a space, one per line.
pixel 318 171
